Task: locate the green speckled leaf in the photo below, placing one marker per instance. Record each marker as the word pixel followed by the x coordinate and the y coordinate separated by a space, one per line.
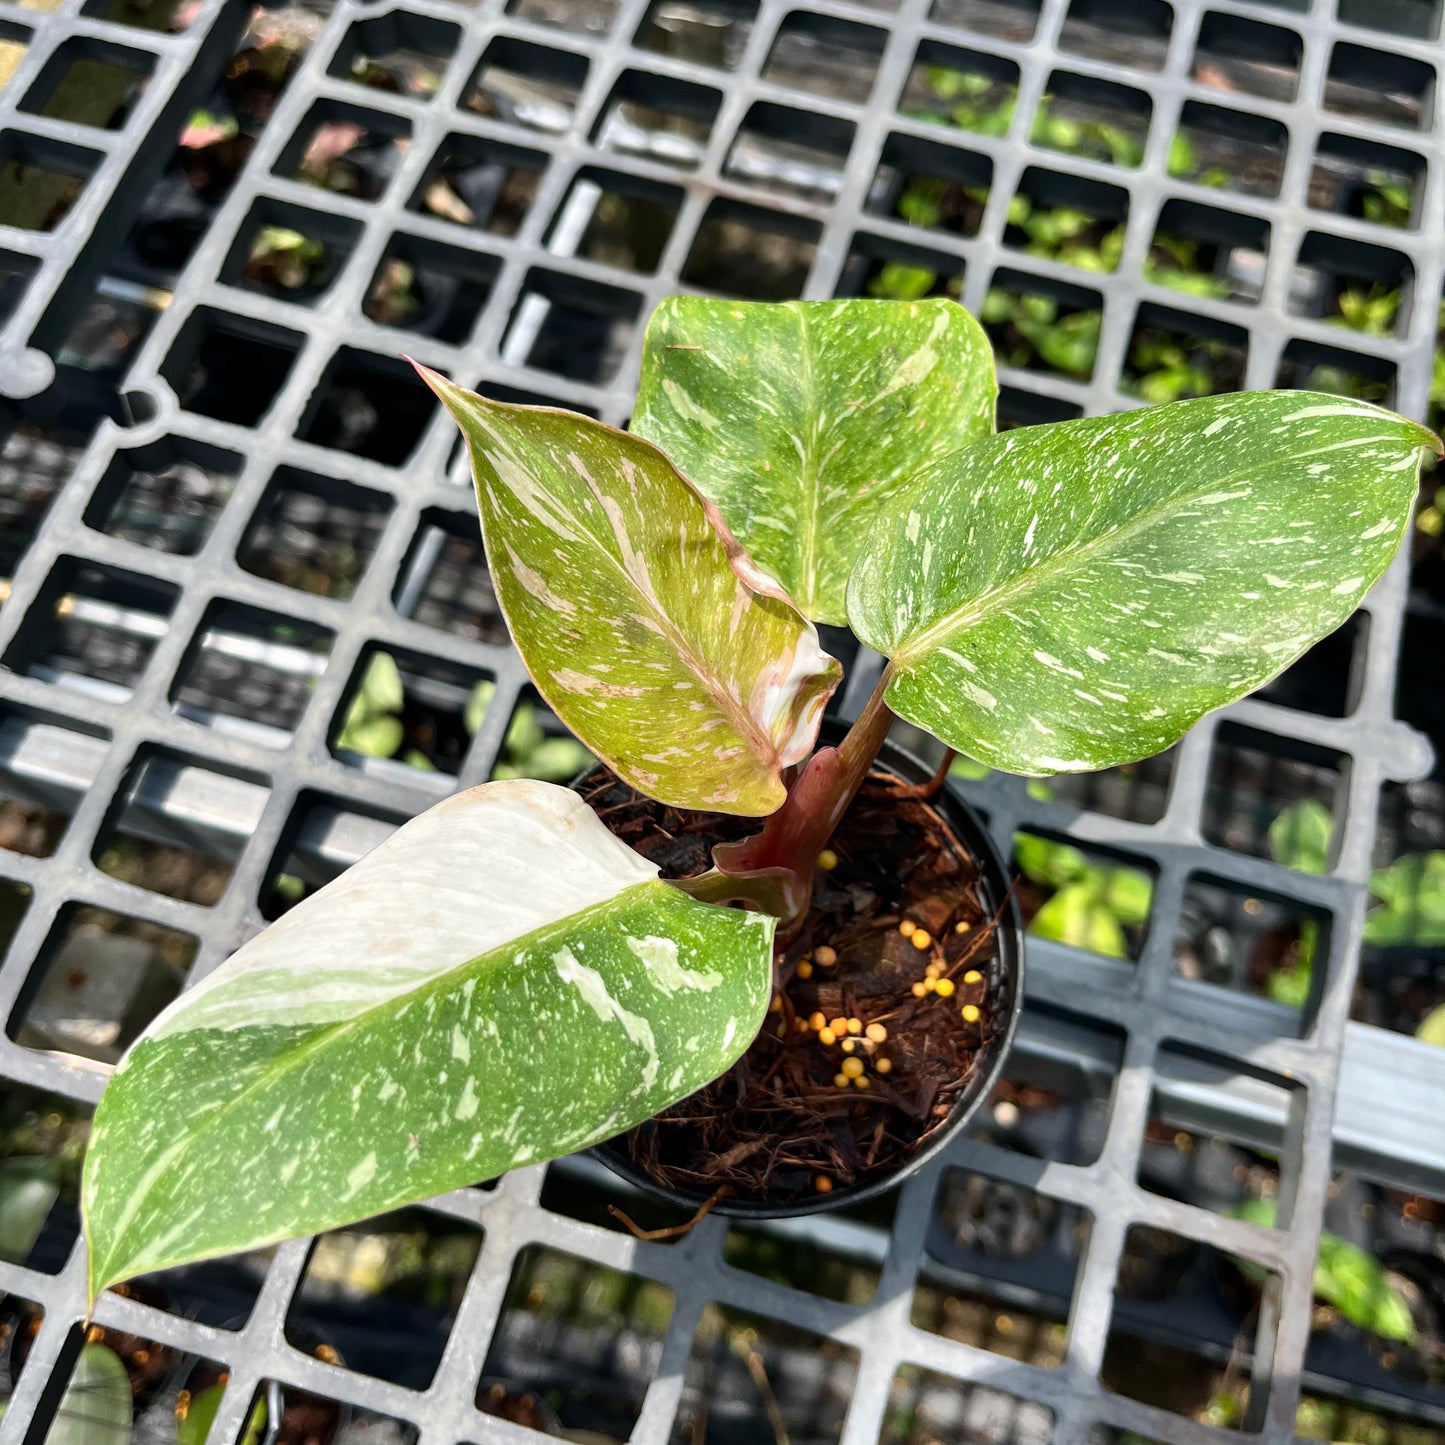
pixel 501 981
pixel 801 420
pixel 642 622
pixel 1070 597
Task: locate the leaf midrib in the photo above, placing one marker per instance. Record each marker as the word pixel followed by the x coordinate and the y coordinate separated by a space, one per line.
pixel 1074 559
pixel 811 478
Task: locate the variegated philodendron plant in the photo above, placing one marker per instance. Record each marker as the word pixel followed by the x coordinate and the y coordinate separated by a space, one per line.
pixel 503 981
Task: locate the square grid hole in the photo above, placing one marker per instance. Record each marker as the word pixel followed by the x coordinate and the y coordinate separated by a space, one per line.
pixel 526 84
pixel 1173 355
pixel 753 254
pixel 1273 797
pixel 1138 792
pixel 159 836
pixel 712 33
pixel 36 460
pixel 483 185
pixel 746 1372
pixel 1327 679
pixel 314 533
pixel 1401 982
pixel 99 980
pixel 322 837
pixel 1057 1092
pixel 166 495
pixel 1308 366
pixel 1043 326
pixel 846 1266
pixel 41 180
pixel 1246 57
pixel 1187 1333
pixel 1351 285
pixel 93 628
pixel 156 1381
pixel 583 1338
pixel 414 710
pixel 1095 120
pixel 791 152
pixel 615 220
pixel 1246 1168
pixel 1000 1268
pixel 305 1417
pixel 430 289
pixel 536 744
pixel 1229 150
pixel 658 117
pixel 35 804
pixel 90 82
pixel 577 329
pixel 1083 897
pixel 925 1407
pixel 1069 219
pixel 933 187
pixel 229 368
pixel 444 582
pixel 372 406
pixel 346 150
pixel 42 1143
pixel 250 672
pixel 1015 20
pixel 1123 32
pixel 1375 85
pixel 1253 941
pixel 833 58
pixel 290 252
pixel 410 1268
pixel 401 53
pixel 1203 251
pixel 891 271
pixel 965 89
pixel 1369 181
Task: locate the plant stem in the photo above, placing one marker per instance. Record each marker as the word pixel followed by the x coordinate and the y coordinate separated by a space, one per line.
pixel 774 869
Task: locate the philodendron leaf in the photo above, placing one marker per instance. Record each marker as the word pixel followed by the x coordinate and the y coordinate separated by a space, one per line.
pixel 501 981
pixel 643 624
pixel 802 420
pixel 1070 597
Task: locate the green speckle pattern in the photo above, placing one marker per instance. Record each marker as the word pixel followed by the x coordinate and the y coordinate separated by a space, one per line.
pixel 644 625
pixel 802 420
pixel 322 1075
pixel 1071 597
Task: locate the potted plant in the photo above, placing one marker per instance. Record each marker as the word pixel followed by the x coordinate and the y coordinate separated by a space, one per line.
pixel 505 980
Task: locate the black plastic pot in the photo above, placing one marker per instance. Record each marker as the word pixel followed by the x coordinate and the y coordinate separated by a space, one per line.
pixel 1005 982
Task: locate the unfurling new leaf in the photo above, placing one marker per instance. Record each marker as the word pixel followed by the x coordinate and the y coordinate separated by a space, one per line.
pixel 802 422
pixel 642 622
pixel 1071 597
pixel 501 981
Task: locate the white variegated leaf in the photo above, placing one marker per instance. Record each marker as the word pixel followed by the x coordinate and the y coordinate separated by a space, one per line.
pixel 501 981
pixel 1069 597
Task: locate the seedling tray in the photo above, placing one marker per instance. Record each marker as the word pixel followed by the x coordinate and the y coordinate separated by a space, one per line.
pixel 222 495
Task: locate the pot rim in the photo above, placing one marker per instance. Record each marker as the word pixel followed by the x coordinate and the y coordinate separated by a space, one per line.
pixel 997 896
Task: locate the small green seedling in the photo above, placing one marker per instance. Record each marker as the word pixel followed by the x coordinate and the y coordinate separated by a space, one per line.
pixel 1346 1277
pixel 503 981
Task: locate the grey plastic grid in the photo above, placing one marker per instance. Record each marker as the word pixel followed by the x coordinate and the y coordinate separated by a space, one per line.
pixel 173 675
pixel 69 186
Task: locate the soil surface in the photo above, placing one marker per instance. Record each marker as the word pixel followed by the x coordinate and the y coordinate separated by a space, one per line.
pixel 787 1120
